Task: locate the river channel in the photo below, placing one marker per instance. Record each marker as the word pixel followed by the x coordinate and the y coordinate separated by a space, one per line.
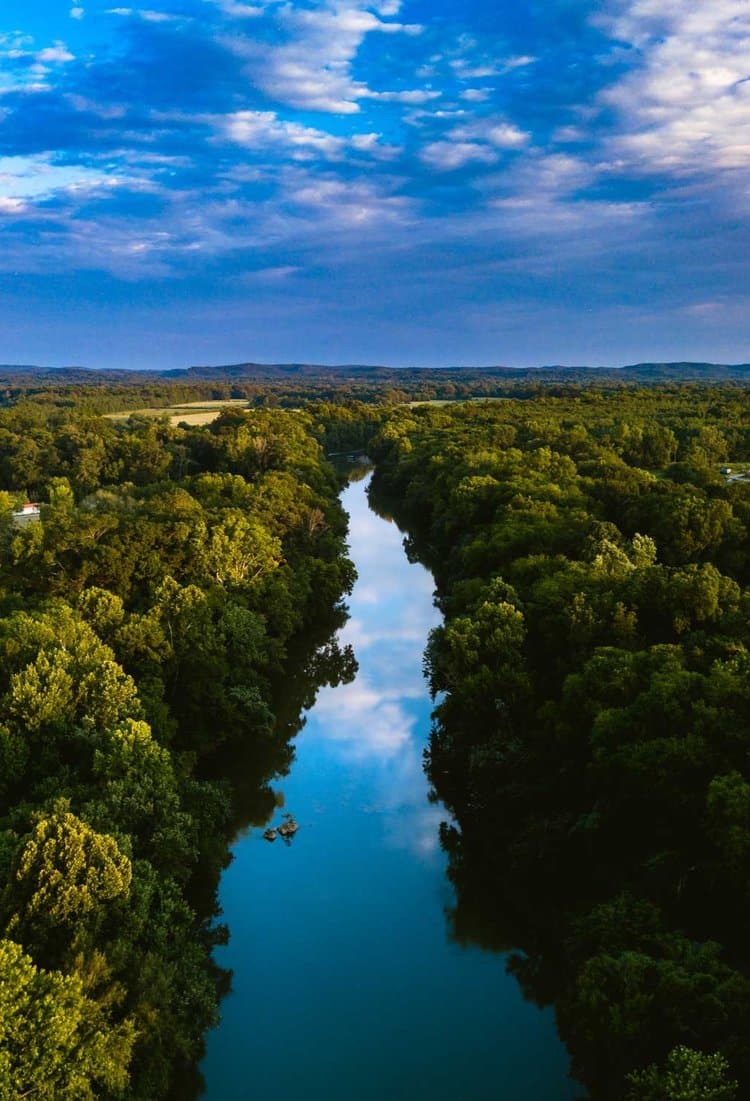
pixel 346 984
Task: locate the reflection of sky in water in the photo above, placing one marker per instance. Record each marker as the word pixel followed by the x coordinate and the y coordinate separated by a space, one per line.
pixel 378 724
pixel 346 987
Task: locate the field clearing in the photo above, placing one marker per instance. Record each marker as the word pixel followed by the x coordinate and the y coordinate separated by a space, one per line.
pixel 205 416
pixel 189 412
pixel 452 401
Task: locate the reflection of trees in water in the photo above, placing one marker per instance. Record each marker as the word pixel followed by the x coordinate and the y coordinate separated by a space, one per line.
pixel 246 768
pixel 477 916
pixel 501 905
pixel 506 901
pixel 591 770
pixel 503 909
pixel 314 661
pixel 626 987
pixel 512 905
pixel 352 471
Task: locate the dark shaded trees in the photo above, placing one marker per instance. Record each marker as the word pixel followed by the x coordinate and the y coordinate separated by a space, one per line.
pixel 592 731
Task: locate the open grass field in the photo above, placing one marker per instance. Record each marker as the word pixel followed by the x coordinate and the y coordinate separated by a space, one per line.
pixel 452 401
pixel 191 412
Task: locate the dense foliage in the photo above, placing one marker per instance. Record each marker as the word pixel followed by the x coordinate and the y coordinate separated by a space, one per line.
pixel 592 729
pixel 144 621
pixel 591 736
pixel 294 385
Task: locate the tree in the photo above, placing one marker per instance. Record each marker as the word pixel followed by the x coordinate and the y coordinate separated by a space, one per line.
pixel 687 1076
pixel 728 813
pixel 140 796
pixel 56 1044
pixel 64 884
pixel 240 550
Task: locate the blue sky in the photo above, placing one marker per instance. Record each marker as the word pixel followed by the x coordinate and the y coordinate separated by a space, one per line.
pixel 403 182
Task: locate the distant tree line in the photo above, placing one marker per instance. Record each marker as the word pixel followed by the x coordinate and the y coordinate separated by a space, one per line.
pixel 101 392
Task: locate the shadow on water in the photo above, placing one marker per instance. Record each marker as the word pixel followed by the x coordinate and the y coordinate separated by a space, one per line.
pixel 246 769
pixel 357 927
pixel 314 660
pixel 494 908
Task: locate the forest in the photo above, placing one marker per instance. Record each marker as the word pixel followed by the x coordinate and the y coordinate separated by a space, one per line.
pixel 144 624
pixel 591 728
pixel 592 704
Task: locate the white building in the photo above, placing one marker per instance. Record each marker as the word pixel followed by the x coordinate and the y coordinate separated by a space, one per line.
pixel 29 514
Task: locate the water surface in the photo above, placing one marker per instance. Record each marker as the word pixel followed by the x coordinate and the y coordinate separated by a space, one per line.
pixel 346 985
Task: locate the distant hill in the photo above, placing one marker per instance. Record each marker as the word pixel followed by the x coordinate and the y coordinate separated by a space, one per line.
pixel 688 371
pixel 642 373
pixel 638 371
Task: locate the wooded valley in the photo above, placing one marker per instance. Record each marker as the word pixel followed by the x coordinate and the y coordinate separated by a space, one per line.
pixel 591 729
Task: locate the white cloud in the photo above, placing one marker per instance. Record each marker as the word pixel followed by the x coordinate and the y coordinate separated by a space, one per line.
pixel 476 95
pixel 256 129
pixel 37 177
pixel 312 68
pixel 57 54
pixel 374 146
pixel 569 135
pixel 159 17
pixel 555 174
pixel 236 10
pixel 685 107
pixel 412 97
pixel 506 136
pixel 32 76
pixel 361 717
pixel 519 62
pixel 388 7
pixel 146 14
pixel 544 194
pixel 465 70
pixel 94 107
pixel 271 275
pixel 446 156
pixel 11 206
pixel 418 830
pixel 586 226
pixel 351 203
pixel 77 13
pixel 493 131
pixel 469 67
pixel 408 638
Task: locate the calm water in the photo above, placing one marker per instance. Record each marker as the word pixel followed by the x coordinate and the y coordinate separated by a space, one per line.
pixel 346 986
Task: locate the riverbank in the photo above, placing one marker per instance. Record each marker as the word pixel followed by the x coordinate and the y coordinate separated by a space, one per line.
pixel 347 982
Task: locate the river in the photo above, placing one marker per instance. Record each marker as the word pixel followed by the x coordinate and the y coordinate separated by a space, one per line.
pixel 347 986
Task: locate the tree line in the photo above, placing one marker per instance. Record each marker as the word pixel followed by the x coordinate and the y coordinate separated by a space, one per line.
pixel 144 622
pixel 592 729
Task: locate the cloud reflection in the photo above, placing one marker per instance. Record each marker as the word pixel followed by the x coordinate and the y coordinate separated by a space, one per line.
pixel 378 725
pixel 391 614
pixel 367 722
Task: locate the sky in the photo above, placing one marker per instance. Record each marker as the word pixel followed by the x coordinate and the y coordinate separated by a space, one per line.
pixel 413 183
